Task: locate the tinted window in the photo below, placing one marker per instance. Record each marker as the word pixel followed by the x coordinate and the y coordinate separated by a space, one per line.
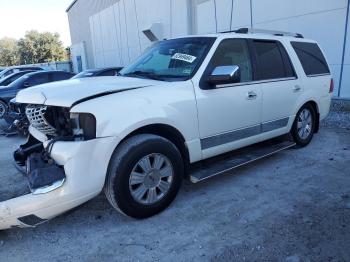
pixel 270 61
pixel 30 68
pixel 288 67
pixel 37 79
pixel 12 78
pixel 10 72
pixel 233 52
pixel 311 58
pixel 58 76
pixel 108 73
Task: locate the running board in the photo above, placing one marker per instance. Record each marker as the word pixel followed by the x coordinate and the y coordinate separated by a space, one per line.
pixel 227 162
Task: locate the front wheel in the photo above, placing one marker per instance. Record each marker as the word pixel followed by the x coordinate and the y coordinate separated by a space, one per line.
pixel 144 176
pixel 3 109
pixel 304 125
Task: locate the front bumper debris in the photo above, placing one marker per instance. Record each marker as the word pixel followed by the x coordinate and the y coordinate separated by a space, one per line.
pixel 72 174
pixel 43 176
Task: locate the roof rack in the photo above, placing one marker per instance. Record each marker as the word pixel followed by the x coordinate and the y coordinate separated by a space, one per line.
pixel 262 31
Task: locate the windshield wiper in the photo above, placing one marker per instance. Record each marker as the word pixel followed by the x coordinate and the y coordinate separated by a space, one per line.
pixel 145 74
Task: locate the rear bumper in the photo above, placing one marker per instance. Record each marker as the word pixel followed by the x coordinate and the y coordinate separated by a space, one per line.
pixel 85 166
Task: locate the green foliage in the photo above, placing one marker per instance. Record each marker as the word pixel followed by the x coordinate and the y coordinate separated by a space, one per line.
pixel 34 48
pixel 9 53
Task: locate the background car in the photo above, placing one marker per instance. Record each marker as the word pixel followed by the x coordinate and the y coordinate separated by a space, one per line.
pixel 5 81
pixel 12 70
pixel 28 80
pixel 110 71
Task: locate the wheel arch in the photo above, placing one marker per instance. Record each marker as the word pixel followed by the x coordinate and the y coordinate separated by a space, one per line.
pixel 169 132
pixel 317 111
pixel 314 105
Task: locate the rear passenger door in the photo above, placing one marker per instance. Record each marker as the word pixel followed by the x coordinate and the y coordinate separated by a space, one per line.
pixel 279 84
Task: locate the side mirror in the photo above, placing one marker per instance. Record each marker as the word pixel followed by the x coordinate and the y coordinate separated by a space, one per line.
pixel 225 75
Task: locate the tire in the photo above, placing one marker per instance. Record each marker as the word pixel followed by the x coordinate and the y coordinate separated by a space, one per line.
pixel 127 179
pixel 304 126
pixel 3 109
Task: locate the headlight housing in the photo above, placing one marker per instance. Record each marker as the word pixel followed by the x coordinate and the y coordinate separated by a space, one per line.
pixel 83 125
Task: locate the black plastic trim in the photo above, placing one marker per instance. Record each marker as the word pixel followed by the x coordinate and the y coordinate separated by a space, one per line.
pixel 32 220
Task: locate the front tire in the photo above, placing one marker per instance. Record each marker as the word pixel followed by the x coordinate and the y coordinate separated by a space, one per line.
pixel 3 109
pixel 304 126
pixel 144 176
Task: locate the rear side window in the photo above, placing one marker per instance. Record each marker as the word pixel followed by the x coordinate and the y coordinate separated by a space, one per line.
pixel 311 58
pixel 38 79
pixel 58 76
pixel 273 60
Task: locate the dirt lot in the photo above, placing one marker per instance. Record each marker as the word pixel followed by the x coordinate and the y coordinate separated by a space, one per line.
pixel 293 206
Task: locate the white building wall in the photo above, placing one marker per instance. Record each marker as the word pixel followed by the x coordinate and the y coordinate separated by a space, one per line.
pixel 116 32
pixel 117 36
pixel 322 20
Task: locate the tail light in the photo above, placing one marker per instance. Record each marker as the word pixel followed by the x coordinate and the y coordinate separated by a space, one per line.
pixel 331 87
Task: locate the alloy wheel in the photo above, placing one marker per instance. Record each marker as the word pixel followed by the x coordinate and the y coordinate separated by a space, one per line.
pixel 2 110
pixel 305 123
pixel 151 179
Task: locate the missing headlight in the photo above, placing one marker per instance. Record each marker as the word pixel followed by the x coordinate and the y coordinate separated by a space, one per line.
pixel 84 125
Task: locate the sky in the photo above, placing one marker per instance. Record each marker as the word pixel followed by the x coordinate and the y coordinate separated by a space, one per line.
pixel 19 16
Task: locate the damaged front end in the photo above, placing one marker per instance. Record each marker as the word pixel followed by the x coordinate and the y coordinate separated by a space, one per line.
pixel 61 163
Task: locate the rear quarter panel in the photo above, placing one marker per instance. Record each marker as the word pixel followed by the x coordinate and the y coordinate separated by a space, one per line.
pixel 314 88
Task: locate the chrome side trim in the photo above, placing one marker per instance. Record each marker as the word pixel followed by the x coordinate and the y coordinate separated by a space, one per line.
pixel 45 190
pixel 257 82
pixel 239 134
pixel 316 75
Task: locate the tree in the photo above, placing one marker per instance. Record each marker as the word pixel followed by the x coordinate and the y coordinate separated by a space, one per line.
pixel 38 47
pixel 9 53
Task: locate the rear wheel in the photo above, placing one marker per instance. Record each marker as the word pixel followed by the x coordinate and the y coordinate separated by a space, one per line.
pixel 304 125
pixel 144 176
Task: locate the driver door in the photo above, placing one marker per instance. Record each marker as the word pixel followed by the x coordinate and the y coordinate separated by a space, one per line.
pixel 229 115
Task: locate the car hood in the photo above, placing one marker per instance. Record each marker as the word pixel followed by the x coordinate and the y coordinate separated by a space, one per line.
pixel 70 92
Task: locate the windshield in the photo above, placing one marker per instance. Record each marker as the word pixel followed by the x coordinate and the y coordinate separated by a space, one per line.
pixel 171 60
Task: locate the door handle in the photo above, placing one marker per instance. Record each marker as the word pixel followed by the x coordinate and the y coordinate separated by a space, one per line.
pixel 296 88
pixel 251 95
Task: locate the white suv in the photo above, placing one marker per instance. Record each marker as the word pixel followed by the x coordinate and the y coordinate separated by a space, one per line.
pixel 182 102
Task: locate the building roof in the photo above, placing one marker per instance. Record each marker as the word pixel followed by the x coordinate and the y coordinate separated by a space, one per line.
pixel 71 5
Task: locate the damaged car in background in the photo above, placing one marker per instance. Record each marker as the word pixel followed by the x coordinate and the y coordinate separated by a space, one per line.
pixel 233 98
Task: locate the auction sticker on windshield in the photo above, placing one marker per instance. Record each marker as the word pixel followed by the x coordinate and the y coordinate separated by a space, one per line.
pixel 184 57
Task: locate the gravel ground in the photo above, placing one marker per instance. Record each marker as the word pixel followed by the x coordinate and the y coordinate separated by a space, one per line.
pixel 293 206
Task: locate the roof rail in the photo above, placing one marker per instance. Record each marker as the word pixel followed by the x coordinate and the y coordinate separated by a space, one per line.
pixel 262 31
